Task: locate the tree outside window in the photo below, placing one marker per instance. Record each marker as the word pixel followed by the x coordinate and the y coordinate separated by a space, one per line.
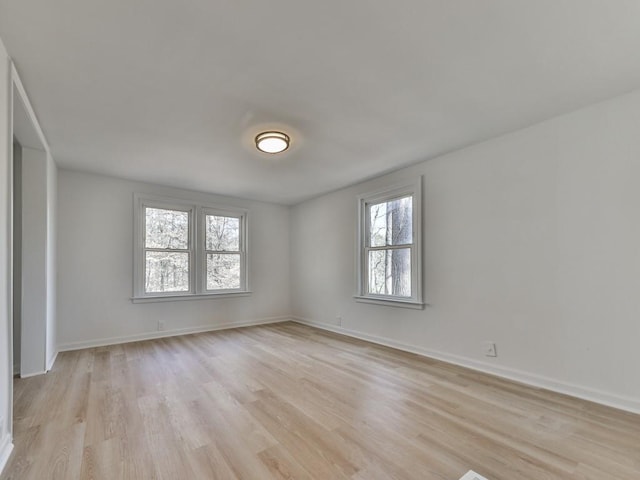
pixel 188 250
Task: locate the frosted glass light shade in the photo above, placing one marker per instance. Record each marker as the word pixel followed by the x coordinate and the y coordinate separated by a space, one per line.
pixel 272 142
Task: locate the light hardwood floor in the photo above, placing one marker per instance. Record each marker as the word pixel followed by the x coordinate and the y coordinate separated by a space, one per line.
pixel 290 402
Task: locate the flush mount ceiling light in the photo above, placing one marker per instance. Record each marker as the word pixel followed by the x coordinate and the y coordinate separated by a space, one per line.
pixel 272 142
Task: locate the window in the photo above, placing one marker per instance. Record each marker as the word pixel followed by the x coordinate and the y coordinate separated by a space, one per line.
pixel 185 250
pixel 224 255
pixel 389 264
pixel 168 250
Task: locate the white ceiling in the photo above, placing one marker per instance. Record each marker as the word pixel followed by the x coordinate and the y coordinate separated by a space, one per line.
pixel 173 92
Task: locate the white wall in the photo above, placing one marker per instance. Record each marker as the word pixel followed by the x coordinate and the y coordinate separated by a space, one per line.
pixel 34 262
pixel 531 240
pixel 6 374
pixel 95 265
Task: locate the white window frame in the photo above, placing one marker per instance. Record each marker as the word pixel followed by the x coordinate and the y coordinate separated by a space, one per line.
pixel 197 249
pixel 413 189
pixel 241 215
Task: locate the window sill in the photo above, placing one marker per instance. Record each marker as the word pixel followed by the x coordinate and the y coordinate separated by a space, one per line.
pixel 388 302
pixel 201 296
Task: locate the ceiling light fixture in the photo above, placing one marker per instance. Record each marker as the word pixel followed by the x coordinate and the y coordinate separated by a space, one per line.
pixel 272 142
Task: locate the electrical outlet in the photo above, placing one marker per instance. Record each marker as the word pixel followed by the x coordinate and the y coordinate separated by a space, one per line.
pixel 489 349
pixel 339 319
pixel 160 325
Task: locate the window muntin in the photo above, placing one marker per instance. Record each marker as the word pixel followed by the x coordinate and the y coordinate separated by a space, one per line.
pixel 187 250
pixel 389 267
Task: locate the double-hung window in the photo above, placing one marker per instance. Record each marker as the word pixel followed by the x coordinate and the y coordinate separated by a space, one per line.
pixel 187 250
pixel 389 244
pixel 223 249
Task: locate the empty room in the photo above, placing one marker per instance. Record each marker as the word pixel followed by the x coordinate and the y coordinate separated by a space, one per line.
pixel 283 240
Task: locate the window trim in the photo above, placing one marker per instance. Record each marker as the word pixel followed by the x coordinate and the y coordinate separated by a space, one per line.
pixel 413 189
pixel 197 249
pixel 241 215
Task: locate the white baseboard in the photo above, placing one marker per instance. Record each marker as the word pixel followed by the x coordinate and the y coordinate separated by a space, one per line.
pixel 52 360
pixel 593 395
pixel 32 374
pixel 50 363
pixel 167 333
pixel 6 446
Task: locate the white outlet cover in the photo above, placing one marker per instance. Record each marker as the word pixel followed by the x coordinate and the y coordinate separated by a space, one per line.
pixel 489 349
pixel 471 475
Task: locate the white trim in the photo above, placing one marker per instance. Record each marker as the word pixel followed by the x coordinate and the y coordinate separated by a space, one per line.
pixel 390 302
pixel 140 202
pixel 17 83
pixel 242 215
pixel 32 374
pixel 52 360
pixel 196 296
pixel 620 402
pixel 5 451
pixel 168 333
pixel 414 189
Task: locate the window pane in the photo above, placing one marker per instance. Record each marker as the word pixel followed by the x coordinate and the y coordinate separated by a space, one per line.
pixel 390 272
pixel 222 233
pixel 391 222
pixel 166 228
pixel 223 271
pixel 166 272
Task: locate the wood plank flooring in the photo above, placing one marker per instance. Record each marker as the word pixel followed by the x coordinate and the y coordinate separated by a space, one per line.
pixel 287 401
